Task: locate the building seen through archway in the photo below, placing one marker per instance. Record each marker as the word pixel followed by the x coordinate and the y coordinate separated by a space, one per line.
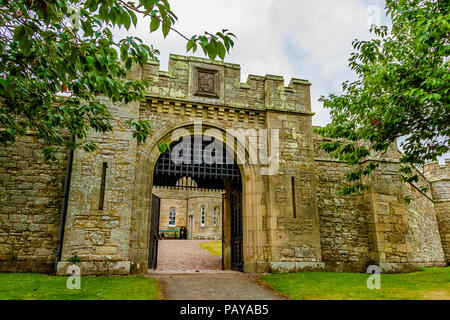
pixel 198 193
pixel 199 211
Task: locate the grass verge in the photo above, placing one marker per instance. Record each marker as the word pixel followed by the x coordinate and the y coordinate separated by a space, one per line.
pixel 429 284
pixel 26 286
pixel 214 247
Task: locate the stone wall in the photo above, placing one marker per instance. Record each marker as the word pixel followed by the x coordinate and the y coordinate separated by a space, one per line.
pixel 344 220
pixel 31 193
pixel 344 228
pixel 188 203
pixel 171 105
pixel 377 227
pixel 168 202
pixel 424 241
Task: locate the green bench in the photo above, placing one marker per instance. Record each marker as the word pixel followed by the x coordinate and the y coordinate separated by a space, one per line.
pixel 174 232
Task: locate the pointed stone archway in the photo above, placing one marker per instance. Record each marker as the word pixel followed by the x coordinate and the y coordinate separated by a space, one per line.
pixel 253 211
pixel 213 167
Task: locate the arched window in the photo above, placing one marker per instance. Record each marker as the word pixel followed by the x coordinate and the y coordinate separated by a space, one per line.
pixel 202 219
pixel 172 217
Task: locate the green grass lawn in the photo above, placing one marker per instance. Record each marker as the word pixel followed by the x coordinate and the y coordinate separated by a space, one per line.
pixel 430 284
pixel 214 247
pixel 25 286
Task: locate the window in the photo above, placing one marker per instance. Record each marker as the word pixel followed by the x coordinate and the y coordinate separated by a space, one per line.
pixel 215 216
pixel 294 205
pixel 172 218
pixel 102 187
pixel 203 217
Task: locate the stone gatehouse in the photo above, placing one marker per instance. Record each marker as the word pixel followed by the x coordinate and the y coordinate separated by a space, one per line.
pixel 292 220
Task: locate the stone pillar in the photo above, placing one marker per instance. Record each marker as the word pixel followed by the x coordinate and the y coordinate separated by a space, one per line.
pixel 439 177
pixel 292 204
pixel 97 231
pixel 404 234
pixel 387 222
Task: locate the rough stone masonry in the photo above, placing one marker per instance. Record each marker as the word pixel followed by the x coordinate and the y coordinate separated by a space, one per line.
pixel 292 221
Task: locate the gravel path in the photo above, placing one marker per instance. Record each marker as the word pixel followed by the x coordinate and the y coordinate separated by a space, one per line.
pixel 186 255
pixel 188 272
pixel 215 286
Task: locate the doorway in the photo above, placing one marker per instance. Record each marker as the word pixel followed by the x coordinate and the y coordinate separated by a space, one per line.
pixel 154 226
pixel 191 226
pixel 211 170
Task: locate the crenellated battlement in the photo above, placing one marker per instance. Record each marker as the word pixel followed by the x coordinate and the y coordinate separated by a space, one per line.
pixel 435 172
pixel 204 81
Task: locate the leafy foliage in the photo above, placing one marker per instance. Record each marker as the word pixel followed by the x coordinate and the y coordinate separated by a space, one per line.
pixel 402 92
pixel 58 57
pixel 74 259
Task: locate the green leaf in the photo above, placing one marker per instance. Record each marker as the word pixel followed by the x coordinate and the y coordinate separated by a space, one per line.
pixel 165 29
pixel 126 20
pixel 90 60
pixel 221 50
pixel 212 50
pixel 19 33
pixel 190 45
pixel 155 23
pixel 400 92
pixel 163 147
pixel 5 83
pixel 203 40
pixel 100 80
pixel 133 17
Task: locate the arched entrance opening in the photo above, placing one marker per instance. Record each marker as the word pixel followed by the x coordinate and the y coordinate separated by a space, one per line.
pixel 199 163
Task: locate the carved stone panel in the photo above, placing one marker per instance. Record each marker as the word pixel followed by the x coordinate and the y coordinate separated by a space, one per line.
pixel 207 83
